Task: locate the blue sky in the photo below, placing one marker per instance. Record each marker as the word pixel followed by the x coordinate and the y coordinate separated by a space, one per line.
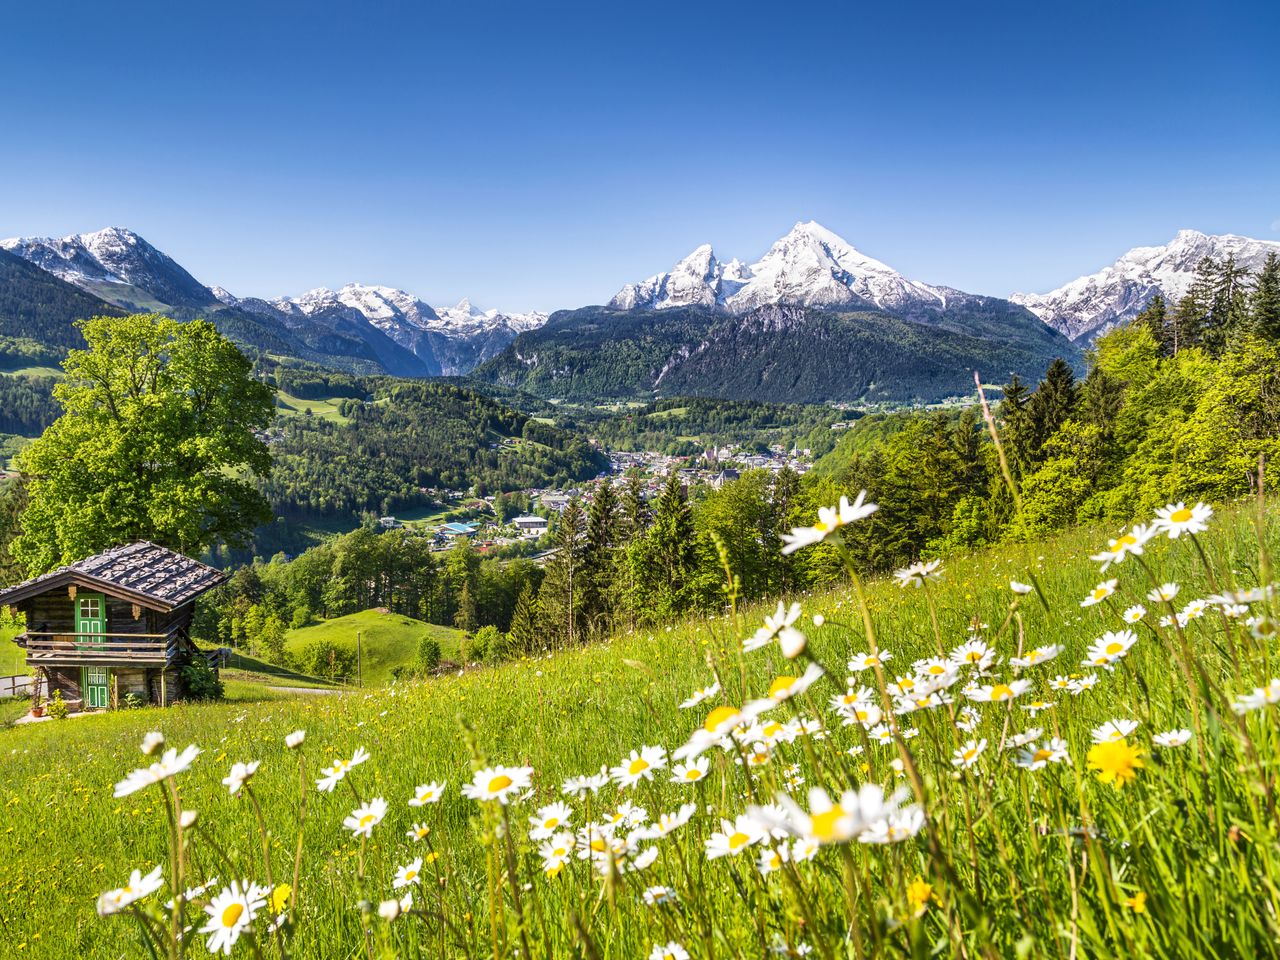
pixel 541 155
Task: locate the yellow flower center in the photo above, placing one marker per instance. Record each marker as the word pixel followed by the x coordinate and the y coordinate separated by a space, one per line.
pixel 1127 540
pixel 1113 648
pixel 718 716
pixel 551 822
pixel 781 685
pixel 824 824
pixel 638 765
pixel 937 669
pixel 1001 691
pixel 772 729
pixel 411 874
pixel 973 656
pixel 969 754
pixel 231 915
pixel 598 845
pixel 693 773
pixel 367 819
pixel 1042 754
pixel 1180 516
pixel 1099 593
pixel 499 783
pixel 738 840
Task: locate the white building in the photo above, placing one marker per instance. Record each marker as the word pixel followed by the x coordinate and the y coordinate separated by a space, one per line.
pixel 531 526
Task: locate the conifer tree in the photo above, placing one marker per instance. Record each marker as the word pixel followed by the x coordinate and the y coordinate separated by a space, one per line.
pixel 524 635
pixel 634 511
pixel 669 553
pixel 560 600
pixel 1101 399
pixel 1052 404
pixel 464 618
pixel 1228 306
pixel 598 560
pixel 1265 303
pixel 1017 424
pixel 1155 317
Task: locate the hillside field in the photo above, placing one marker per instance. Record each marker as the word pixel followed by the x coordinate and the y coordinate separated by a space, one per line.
pixel 1034 862
pixel 387 640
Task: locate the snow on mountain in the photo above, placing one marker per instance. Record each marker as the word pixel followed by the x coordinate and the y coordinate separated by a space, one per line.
pixel 457 338
pixel 1091 305
pixel 115 264
pixel 810 266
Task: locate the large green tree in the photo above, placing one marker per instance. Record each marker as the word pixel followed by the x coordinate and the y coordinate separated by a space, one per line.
pixel 158 441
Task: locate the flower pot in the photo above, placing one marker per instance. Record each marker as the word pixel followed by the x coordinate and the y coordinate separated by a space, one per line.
pixel 37 711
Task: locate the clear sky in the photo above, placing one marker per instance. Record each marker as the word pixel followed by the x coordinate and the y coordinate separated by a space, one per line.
pixel 540 155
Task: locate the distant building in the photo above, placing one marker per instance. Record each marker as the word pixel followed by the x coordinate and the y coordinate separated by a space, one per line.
pixel 389 523
pixel 531 526
pixel 454 530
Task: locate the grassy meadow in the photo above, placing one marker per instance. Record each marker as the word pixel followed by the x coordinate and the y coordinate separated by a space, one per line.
pixel 1135 850
pixel 387 640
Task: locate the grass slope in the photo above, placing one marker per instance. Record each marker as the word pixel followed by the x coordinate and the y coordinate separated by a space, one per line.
pixel 387 640
pixel 569 713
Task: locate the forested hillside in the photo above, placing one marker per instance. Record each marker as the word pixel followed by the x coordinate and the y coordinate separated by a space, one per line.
pixel 38 312
pixel 404 437
pixel 778 354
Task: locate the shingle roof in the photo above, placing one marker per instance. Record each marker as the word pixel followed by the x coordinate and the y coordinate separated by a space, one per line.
pixel 153 575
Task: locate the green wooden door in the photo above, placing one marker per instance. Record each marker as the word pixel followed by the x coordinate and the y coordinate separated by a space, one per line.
pixel 96 682
pixel 91 619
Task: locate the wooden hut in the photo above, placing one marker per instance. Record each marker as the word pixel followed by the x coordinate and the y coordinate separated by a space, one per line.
pixel 113 624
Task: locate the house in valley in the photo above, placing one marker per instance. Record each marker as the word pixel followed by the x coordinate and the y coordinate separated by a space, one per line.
pixel 113 624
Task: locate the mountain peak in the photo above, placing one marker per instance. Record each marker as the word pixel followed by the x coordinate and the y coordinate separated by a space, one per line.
pixel 1093 304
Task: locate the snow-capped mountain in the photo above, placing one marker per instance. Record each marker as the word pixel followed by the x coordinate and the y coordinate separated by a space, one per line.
pixel 810 266
pixel 383 325
pixel 117 265
pixel 455 339
pixel 1091 305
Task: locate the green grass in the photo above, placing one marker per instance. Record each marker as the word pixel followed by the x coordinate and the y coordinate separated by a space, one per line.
pixel 36 370
pixel 325 408
pixel 13 659
pixel 246 669
pixel 387 640
pixel 1012 869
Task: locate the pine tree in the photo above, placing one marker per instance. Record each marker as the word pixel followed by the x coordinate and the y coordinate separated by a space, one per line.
pixel 1228 307
pixel 464 618
pixel 1052 404
pixel 560 600
pixel 1017 424
pixel 1265 303
pixel 1155 317
pixel 635 512
pixel 670 553
pixel 1101 400
pixel 524 635
pixel 598 589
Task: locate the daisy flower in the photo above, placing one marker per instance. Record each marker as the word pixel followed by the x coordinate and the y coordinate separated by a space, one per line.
pixel 771 859
pixel 918 573
pixel 365 817
pixel 139 886
pixel 830 519
pixel 1163 593
pixel 1177 519
pixel 1034 757
pixel 419 831
pixel 294 740
pixel 497 783
pixel 972 653
pixel 734 836
pixel 703 693
pixel 1112 646
pixel 549 819
pixel 967 755
pixel 1134 613
pixel 689 772
pixel 1260 698
pixel 1124 545
pixel 668 951
pixel 152 743
pixel 659 896
pixel 1035 706
pixel 867 661
pixel 639 766
pixel 170 764
pixel 779 627
pixel 1172 738
pixel 410 873
pixel 239 776
pixel 899 826
pixel 999 692
pixel 1083 684
pixel 389 910
pixel 555 852
pixel 1022 739
pixel 1114 730
pixel 581 786
pixel 786 687
pixel 230 914
pixel 426 793
pixel 1022 589
pixel 1100 593
pixel 335 772
pixel 1036 656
